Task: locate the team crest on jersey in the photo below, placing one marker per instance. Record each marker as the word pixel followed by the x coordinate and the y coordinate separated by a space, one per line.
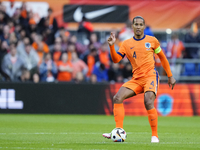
pixel 148 46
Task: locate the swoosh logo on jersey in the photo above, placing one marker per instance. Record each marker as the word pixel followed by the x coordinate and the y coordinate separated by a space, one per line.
pixel 78 14
pixel 132 47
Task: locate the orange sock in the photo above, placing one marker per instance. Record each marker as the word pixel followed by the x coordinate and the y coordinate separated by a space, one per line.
pixel 119 115
pixel 153 121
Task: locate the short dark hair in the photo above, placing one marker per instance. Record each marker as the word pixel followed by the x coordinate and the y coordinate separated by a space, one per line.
pixel 138 17
pixel 14 44
pixel 50 9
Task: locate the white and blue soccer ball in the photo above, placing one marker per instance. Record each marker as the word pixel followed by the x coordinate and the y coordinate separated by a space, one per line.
pixel 118 135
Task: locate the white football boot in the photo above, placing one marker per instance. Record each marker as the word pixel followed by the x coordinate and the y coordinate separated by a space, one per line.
pixel 107 135
pixel 154 139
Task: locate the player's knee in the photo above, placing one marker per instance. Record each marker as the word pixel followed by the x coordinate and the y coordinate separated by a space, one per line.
pixel 117 99
pixel 149 98
pixel 148 103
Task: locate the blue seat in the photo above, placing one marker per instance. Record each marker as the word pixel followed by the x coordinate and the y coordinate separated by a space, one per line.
pixel 189 69
pixel 198 69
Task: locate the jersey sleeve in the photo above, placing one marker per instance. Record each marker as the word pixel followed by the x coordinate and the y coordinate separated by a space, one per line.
pixel 122 50
pixel 157 47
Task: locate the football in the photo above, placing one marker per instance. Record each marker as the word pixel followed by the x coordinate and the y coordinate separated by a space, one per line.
pixel 118 135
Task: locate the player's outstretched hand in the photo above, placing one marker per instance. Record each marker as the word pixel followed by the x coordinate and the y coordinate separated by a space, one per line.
pixel 171 82
pixel 111 40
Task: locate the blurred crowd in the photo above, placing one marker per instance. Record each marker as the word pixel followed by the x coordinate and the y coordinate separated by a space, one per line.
pixel 41 51
pixel 187 49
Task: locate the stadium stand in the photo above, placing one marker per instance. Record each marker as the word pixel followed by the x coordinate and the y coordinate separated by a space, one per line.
pixel 45 36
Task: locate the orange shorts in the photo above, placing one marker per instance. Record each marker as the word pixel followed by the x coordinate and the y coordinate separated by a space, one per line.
pixel 144 84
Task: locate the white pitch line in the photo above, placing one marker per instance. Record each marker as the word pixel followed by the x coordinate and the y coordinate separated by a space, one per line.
pixel 52 133
pixel 33 148
pixel 85 133
pixel 137 142
pixel 42 148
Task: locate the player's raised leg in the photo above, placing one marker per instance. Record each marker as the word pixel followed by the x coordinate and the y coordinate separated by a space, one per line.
pixel 118 109
pixel 149 98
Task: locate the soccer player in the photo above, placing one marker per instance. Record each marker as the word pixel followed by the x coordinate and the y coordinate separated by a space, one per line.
pixel 140 51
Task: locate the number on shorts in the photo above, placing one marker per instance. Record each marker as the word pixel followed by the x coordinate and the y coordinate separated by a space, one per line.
pixel 152 83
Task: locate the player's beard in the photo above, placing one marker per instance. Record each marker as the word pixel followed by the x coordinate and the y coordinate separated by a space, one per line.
pixel 138 33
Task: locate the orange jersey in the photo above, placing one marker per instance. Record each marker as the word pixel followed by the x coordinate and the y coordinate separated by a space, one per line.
pixel 64 75
pixel 140 53
pixel 40 54
pixel 104 58
pixel 90 63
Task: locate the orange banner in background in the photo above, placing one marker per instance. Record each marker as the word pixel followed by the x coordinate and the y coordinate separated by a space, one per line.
pixel 184 100
pixel 158 14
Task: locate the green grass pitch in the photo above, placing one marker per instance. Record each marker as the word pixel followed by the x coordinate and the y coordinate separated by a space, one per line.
pixel 84 132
